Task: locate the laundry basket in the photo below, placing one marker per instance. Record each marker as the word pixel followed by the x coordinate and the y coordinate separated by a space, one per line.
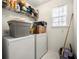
pixel 19 28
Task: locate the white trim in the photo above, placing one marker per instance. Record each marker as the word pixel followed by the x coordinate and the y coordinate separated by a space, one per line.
pixel 60 26
pixel 61 5
pixel 59 16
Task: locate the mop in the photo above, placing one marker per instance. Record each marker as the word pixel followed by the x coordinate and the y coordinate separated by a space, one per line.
pixel 63 49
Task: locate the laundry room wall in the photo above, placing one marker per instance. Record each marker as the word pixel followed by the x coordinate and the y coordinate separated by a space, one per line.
pixel 56 35
pixel 75 26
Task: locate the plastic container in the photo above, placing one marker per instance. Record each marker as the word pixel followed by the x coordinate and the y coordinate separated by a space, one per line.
pixel 39 27
pixel 19 28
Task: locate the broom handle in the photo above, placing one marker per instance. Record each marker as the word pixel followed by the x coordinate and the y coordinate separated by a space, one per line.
pixel 68 31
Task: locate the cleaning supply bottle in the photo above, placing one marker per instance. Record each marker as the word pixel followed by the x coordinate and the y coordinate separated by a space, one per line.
pixel 17 8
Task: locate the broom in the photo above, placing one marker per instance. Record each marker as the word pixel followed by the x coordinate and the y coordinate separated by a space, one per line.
pixel 67 35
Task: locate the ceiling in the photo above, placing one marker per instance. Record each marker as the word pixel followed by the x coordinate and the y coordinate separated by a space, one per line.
pixel 36 3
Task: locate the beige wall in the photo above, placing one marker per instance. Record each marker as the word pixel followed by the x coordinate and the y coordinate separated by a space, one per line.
pixel 56 35
pixel 75 26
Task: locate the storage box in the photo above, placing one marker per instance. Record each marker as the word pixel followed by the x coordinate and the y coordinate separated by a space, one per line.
pixel 19 28
pixel 39 27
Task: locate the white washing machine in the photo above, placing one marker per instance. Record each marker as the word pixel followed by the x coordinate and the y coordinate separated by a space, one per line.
pixel 41 45
pixel 19 48
pixel 28 47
